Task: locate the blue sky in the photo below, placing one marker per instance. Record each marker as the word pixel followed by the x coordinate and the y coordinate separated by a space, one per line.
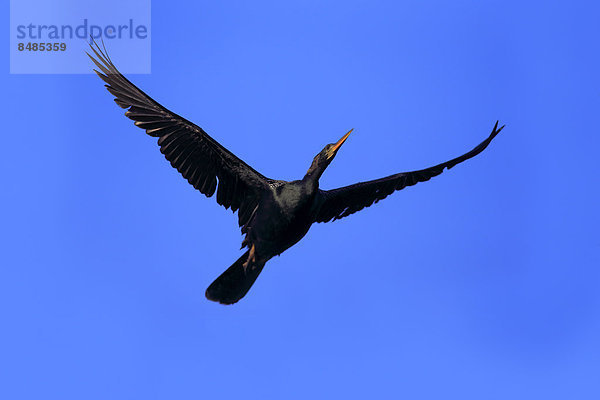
pixel 477 284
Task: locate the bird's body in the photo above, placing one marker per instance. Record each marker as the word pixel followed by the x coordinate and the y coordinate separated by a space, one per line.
pixel 273 214
pixel 283 217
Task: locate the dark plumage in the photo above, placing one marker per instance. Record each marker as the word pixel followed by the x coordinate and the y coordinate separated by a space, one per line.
pixel 273 214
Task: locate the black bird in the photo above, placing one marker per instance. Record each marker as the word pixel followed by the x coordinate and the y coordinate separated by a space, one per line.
pixel 273 214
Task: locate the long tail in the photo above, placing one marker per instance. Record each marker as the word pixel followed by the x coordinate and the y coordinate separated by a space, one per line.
pixel 235 282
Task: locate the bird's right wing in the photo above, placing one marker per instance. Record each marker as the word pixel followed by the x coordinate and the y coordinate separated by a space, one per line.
pixel 339 203
pixel 189 149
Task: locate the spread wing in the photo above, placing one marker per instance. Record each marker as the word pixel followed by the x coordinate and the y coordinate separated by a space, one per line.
pixel 340 203
pixel 197 156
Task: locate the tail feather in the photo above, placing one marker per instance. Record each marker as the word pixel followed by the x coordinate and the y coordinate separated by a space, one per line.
pixel 235 282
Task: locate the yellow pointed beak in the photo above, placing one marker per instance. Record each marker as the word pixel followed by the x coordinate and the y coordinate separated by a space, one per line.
pixel 339 143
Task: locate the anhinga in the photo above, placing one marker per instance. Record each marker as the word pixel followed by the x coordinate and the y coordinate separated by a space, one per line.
pixel 273 214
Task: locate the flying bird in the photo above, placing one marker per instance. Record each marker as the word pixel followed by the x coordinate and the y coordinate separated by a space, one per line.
pixel 273 214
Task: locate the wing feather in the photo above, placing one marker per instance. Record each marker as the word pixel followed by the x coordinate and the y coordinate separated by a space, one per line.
pixel 340 203
pixel 201 160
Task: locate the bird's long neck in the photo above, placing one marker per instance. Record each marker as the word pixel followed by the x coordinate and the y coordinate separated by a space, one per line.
pixel 313 175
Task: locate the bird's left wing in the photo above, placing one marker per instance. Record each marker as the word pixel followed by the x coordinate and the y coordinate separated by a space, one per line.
pixel 340 203
pixel 197 156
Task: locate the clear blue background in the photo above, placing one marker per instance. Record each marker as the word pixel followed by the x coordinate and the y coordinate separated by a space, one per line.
pixel 479 284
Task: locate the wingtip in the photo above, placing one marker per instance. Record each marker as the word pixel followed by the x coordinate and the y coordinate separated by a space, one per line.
pixel 497 130
pixel 91 41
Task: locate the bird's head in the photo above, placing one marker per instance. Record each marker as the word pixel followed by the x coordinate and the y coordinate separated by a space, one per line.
pixel 324 158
